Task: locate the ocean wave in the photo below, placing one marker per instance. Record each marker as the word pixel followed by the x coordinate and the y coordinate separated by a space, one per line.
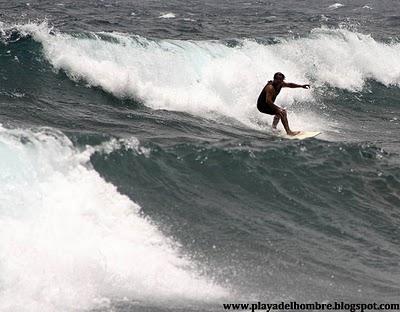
pixel 208 78
pixel 279 202
pixel 71 241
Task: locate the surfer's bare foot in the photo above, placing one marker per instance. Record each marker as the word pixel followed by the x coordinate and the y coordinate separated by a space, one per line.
pixel 293 133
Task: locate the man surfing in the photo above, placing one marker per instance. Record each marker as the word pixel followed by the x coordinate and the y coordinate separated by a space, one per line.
pixel 266 105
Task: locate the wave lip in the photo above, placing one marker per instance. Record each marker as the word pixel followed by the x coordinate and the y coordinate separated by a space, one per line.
pixel 70 241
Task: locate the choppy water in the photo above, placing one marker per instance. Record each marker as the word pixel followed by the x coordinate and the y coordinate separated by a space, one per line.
pixel 138 175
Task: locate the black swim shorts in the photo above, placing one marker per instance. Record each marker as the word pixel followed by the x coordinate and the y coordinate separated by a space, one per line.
pixel 266 109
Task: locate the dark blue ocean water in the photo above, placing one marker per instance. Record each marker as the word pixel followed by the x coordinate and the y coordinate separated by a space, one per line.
pixel 137 174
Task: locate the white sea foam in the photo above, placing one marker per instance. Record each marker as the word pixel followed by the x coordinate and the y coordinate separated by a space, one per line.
pixel 335 6
pixel 205 77
pixel 115 144
pixel 168 15
pixel 70 242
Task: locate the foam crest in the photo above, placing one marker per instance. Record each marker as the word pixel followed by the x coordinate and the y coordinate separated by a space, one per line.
pixel 206 77
pixel 335 6
pixel 116 144
pixel 69 241
pixel 344 59
pixel 167 15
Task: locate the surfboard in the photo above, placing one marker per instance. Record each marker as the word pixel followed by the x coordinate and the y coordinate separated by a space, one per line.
pixel 301 136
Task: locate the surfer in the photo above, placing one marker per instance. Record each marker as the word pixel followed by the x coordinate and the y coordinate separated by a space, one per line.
pixel 266 105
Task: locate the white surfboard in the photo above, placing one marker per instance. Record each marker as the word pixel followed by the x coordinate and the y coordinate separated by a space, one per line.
pixel 301 136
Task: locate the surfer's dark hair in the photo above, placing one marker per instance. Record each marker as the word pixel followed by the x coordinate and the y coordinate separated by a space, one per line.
pixel 278 75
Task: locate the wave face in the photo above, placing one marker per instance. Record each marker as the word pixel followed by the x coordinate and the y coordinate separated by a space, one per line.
pixel 137 173
pixel 297 209
pixel 70 240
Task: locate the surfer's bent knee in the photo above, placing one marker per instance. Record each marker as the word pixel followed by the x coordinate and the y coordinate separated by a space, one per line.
pixel 281 113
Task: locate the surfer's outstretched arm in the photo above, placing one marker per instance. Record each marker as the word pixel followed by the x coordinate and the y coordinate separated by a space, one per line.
pixel 295 85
